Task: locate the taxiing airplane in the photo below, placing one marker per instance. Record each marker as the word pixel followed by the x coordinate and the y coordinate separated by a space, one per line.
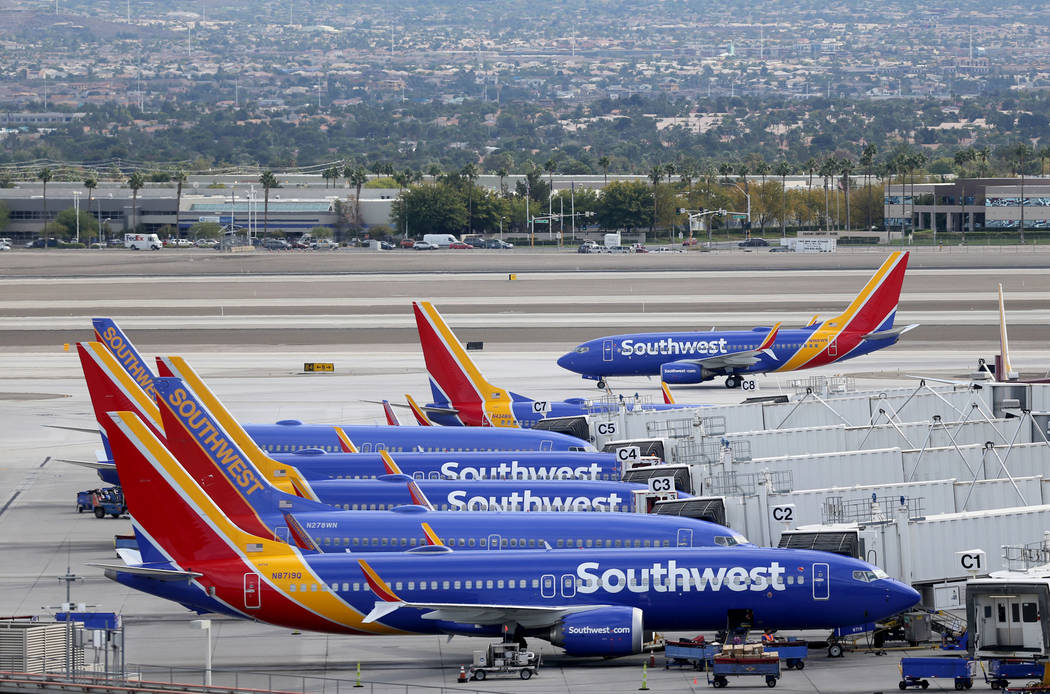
pixel 212 457
pixel 591 602
pixel 462 395
pixel 693 357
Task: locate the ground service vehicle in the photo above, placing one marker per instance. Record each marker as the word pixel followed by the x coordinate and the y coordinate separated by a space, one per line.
pixel 142 242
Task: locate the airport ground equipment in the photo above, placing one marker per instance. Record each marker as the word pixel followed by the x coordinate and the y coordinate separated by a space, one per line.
pixel 998 672
pixel 107 500
pixel 504 658
pixel 747 660
pixel 695 653
pixel 792 653
pixel 917 672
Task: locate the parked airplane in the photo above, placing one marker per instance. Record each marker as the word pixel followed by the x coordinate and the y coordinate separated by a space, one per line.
pixel 307 447
pixel 390 491
pixel 589 601
pixel 213 458
pixel 462 396
pixel 693 357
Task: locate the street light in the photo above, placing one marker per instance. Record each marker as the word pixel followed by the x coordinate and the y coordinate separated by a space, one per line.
pixel 748 196
pixel 76 211
pixel 205 624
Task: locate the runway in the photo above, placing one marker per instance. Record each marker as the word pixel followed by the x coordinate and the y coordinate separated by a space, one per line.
pixel 249 335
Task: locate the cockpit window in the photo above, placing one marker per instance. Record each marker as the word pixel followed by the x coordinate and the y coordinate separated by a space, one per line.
pixel 581 349
pixel 729 540
pixel 870 576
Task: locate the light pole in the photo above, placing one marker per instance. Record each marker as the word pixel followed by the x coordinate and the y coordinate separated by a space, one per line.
pixel 205 624
pixel 104 221
pixel 76 211
pixel 748 196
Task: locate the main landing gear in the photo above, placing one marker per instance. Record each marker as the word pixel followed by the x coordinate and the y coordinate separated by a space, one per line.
pixel 733 381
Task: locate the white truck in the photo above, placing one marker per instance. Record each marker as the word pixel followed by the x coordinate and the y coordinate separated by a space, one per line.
pixel 142 242
pixel 440 240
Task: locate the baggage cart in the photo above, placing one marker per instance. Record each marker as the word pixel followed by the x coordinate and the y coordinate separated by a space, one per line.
pixel 792 653
pixel 725 666
pixel 917 672
pixel 697 655
pixel 999 672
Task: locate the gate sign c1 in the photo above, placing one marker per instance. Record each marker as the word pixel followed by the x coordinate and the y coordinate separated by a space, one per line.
pixel 630 454
pixel 541 406
pixel 661 485
pixel 972 560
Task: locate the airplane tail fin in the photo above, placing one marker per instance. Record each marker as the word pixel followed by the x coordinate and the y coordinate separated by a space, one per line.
pixel 1005 368
pixel 391 418
pixel 452 371
pixel 111 388
pixel 770 338
pixel 345 443
pixel 216 463
pixel 875 307
pixel 392 468
pixel 285 477
pixel 117 342
pixel 668 397
pixel 418 497
pixel 421 416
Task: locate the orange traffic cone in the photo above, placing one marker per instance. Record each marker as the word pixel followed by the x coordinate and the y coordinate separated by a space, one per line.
pixel 462 674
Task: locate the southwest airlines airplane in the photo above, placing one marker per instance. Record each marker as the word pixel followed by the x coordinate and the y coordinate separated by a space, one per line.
pixel 462 395
pixel 110 388
pixel 693 357
pixel 290 435
pixel 591 602
pixel 211 456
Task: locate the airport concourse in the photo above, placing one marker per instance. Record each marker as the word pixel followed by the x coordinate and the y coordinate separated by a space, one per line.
pixel 360 470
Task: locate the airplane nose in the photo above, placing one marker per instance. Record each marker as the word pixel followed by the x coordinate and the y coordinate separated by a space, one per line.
pixel 901 597
pixel 565 361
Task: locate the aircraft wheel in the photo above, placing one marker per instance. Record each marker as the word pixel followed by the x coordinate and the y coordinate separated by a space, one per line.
pixel 732 381
pixel 601 384
pixel 925 684
pixel 902 685
pixel 834 651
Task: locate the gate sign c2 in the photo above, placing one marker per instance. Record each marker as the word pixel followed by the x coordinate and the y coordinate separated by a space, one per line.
pixel 541 406
pixel 629 454
pixel 661 485
pixel 783 513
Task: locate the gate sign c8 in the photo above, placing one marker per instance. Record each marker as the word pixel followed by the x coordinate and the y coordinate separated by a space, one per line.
pixel 661 485
pixel 628 454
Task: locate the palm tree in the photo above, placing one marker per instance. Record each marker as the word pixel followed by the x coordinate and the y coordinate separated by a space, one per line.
pixel 90 182
pixel 403 179
pixel 1022 151
pixel 724 170
pixel 179 177
pixel 357 177
pixel 846 169
pixel 810 167
pixel 669 169
pixel 549 167
pixel 782 169
pixel 655 175
pixel 916 160
pixel 502 173
pixel 45 174
pixel 867 158
pixel 762 168
pixel 604 163
pixel 267 180
pixel 135 181
pixel 827 170
pixel 1044 154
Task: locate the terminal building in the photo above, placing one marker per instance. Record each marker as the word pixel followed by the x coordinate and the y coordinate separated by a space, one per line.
pixel 968 204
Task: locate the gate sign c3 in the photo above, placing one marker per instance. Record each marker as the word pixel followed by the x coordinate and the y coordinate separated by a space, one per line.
pixel 661 485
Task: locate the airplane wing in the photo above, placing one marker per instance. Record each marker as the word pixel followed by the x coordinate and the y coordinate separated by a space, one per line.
pixel 528 616
pixel 430 409
pixel 82 430
pixel 892 332
pixel 745 357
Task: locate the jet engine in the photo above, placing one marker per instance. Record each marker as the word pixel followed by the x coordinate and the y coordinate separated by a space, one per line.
pixel 683 372
pixel 603 631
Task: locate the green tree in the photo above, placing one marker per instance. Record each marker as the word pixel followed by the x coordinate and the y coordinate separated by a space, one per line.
pixel 205 230
pixel 357 177
pixel 135 181
pixel 268 180
pixel 604 162
pixel 433 209
pixel 90 182
pixel 846 169
pixel 783 169
pixel 5 216
pixel 320 232
pixel 625 205
pixel 67 221
pixel 469 174
pixel 867 159
pixel 44 175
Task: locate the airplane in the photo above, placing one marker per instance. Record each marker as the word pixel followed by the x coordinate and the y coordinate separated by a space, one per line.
pixel 111 387
pixel 463 397
pixel 694 357
pixel 213 458
pixel 389 491
pixel 591 602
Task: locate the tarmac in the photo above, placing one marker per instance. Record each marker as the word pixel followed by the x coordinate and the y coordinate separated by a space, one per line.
pixel 249 334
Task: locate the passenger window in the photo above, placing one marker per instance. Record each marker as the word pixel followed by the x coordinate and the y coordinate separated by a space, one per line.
pixel 470 542
pixel 291 587
pixel 1002 612
pixel 411 585
pixel 1015 612
pixel 488 584
pixel 444 585
pixel 457 585
pixel 499 583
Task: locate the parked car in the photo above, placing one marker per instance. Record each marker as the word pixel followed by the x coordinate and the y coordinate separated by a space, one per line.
pixel 639 248
pixel 275 244
pixel 753 243
pixel 5 246
pixel 302 243
pixel 407 243
pixel 779 249
pixel 424 246
pixel 386 246
pixel 690 242
pixel 668 249
pixel 459 246
pixel 39 243
pixel 324 244
pixel 94 244
pixel 206 243
pixel 497 244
